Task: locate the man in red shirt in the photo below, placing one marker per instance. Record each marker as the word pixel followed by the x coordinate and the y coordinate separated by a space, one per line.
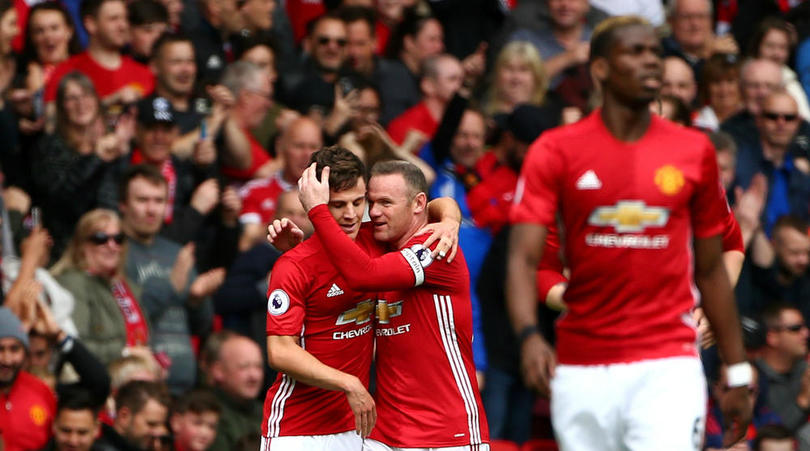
pixel 427 394
pixel 320 335
pixel 441 79
pixel 634 192
pixel 117 78
pixel 297 143
pixel 27 405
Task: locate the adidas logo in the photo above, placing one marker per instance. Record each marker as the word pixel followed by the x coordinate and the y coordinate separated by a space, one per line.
pixel 334 291
pixel 589 180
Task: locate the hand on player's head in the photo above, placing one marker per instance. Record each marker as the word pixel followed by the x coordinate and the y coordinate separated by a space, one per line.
pixel 311 191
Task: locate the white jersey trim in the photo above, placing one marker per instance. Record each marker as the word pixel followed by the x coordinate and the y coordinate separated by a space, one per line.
pixel 447 330
pixel 416 266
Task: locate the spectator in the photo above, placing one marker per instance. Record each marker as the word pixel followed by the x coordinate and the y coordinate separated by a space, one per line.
pixel 785 276
pixel 788 173
pixel 258 48
pixel 71 161
pixel 29 404
pixel 679 80
pixel 298 141
pixel 325 48
pixel 397 87
pixel 672 108
pixel 8 21
pixel 564 44
pixel 775 40
pixel 50 39
pixel 175 298
pixel 257 15
pixel 253 97
pixel 108 312
pixel 76 424
pixel 783 372
pixel 441 79
pixel 175 71
pixel 220 18
pixel 692 38
pixel 758 79
pixel 142 409
pixel 238 376
pixel 148 19
pixel 720 92
pixel 519 77
pixel 118 79
pixel 209 353
pixel 417 38
pixel 194 192
pixel 194 421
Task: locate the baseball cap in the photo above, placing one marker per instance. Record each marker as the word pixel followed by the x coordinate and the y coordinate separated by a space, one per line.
pixel 11 326
pixel 155 110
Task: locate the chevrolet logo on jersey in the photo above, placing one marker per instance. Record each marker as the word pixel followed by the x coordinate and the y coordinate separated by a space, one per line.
pixel 629 216
pixel 387 311
pixel 360 314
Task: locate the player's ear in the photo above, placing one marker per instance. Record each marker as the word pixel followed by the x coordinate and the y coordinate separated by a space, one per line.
pixel 420 203
pixel 599 69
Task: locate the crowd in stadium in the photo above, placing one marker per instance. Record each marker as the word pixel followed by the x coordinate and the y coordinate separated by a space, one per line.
pixel 146 145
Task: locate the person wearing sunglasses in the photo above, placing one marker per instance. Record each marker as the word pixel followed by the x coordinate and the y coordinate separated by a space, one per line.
pixel 783 368
pixel 108 312
pixel 325 49
pixel 787 170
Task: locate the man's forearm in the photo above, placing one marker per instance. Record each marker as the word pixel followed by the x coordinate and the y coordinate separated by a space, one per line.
pixel 286 356
pixel 525 250
pixel 721 311
pixel 443 208
pixel 237 146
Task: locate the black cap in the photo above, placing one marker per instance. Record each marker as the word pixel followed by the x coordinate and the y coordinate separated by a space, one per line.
pixel 155 110
pixel 527 122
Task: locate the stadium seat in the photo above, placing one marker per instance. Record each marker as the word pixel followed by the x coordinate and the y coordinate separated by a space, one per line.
pixel 503 445
pixel 540 445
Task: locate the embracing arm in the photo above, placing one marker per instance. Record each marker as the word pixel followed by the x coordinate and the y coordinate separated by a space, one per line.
pixel 388 272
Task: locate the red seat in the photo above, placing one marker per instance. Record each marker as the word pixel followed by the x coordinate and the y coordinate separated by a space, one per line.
pixel 503 445
pixel 540 445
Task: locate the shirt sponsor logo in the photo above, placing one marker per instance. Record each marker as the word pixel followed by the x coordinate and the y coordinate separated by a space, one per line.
pixel 278 302
pixel 669 179
pixel 360 314
pixel 387 311
pixel 351 333
pixel 629 216
pixel 626 217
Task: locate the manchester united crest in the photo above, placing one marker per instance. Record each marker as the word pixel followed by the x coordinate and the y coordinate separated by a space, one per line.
pixel 669 180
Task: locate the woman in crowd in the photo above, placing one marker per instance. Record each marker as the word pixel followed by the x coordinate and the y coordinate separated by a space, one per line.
pixel 9 29
pixel 775 40
pixel 71 161
pixel 107 313
pixel 519 77
pixel 720 92
pixel 49 40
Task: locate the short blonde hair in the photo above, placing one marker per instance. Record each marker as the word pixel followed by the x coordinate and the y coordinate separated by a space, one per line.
pixel 525 52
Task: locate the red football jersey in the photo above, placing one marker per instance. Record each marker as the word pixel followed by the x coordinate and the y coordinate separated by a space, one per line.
pixel 309 299
pixel 27 414
pixel 129 73
pixel 259 199
pixel 427 394
pixel 630 211
pixel 417 118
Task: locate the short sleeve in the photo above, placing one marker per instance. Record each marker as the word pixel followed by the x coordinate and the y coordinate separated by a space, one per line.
pixel 709 208
pixel 250 214
pixel 285 299
pixel 538 188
